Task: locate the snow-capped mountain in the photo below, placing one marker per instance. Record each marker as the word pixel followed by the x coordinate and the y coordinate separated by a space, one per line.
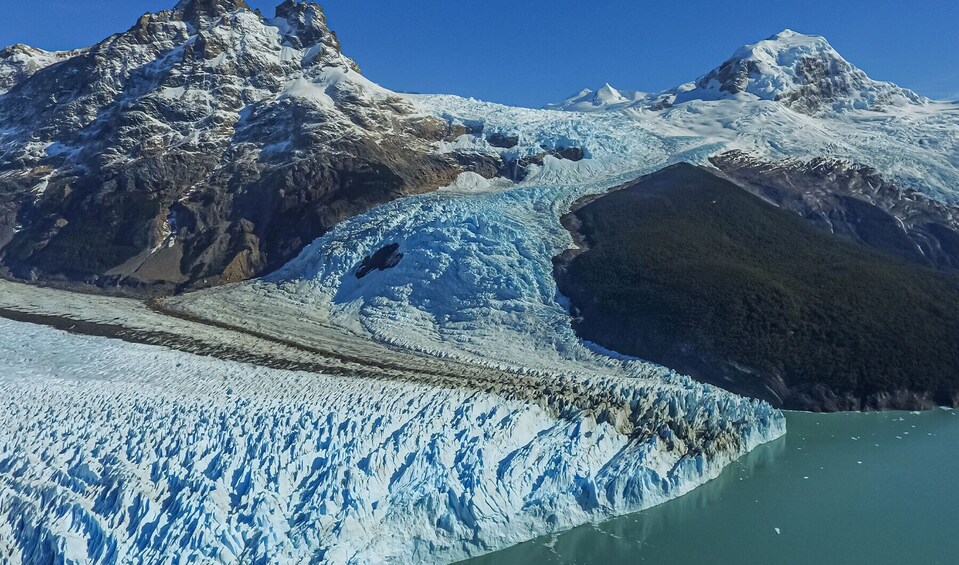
pixel 206 142
pixel 604 98
pixel 803 72
pixel 19 62
pixel 209 144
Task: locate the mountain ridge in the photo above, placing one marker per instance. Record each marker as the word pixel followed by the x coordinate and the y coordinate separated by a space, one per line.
pixel 205 144
pixel 803 72
pixel 209 144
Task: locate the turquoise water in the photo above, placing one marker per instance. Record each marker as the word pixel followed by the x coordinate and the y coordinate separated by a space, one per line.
pixel 840 488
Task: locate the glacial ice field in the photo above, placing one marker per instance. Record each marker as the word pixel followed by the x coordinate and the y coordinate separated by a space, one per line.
pixel 475 282
pixel 119 452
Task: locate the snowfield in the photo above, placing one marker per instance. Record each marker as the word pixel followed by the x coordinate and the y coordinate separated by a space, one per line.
pixel 118 452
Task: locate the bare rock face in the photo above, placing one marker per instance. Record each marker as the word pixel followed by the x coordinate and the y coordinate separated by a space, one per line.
pixel 385 258
pixel 19 62
pixel 855 202
pixel 203 13
pixel 206 144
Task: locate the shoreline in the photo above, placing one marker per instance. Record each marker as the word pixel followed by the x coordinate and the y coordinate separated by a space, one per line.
pixel 700 434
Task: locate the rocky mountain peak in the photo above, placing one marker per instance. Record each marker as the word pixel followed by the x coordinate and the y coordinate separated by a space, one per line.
pixel 304 25
pixel 201 13
pixel 205 144
pixel 307 18
pixel 18 62
pixel 770 66
pixel 801 71
pixel 19 49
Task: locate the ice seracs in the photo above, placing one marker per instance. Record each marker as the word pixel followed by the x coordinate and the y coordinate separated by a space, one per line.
pixel 113 452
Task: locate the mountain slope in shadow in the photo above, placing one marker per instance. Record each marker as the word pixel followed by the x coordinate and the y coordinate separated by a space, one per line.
pixel 690 270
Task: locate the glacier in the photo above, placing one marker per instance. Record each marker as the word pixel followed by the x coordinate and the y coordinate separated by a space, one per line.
pixel 122 452
pixel 475 282
pixel 119 452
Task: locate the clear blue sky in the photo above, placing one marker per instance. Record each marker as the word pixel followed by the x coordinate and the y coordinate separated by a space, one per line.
pixel 531 52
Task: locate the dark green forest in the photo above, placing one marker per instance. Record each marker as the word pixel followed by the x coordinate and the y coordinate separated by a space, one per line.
pixel 689 270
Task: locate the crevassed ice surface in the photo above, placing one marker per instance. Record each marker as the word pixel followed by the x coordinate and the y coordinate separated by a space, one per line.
pixel 476 278
pixel 475 282
pixel 116 452
pixel 119 452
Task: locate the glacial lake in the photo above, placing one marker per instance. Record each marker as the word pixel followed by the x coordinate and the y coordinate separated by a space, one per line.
pixel 880 488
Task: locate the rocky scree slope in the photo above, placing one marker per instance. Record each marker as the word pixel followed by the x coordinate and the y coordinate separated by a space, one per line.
pixel 205 144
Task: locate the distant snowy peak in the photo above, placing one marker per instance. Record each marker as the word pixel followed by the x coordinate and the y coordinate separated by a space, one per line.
pixel 802 72
pixel 604 98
